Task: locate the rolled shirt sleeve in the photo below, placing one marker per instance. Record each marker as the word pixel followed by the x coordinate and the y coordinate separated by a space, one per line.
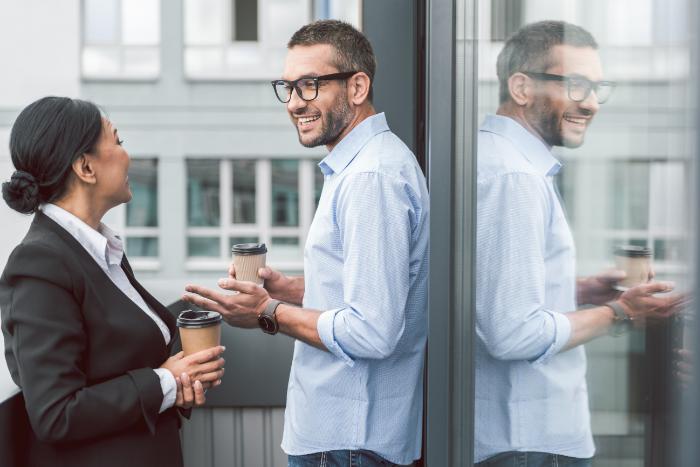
pixel 513 322
pixel 376 215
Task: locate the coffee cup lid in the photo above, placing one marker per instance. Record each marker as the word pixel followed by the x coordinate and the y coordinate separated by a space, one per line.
pixel 198 319
pixel 249 249
pixel 633 251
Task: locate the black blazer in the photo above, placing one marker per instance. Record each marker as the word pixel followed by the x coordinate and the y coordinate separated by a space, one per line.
pixel 83 354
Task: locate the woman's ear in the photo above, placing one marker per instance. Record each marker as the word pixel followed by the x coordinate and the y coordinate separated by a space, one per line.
pixel 84 170
pixel 520 88
pixel 359 86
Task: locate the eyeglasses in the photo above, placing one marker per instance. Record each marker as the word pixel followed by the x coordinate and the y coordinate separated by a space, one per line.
pixel 307 88
pixel 579 88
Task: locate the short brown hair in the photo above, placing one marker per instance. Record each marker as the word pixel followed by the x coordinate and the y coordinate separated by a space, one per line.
pixel 528 49
pixel 353 50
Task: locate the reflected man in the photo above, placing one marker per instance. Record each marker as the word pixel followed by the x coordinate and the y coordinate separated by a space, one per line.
pixel 359 313
pixel 531 395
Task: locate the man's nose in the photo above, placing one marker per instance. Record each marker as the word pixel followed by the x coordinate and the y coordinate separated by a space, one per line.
pixel 295 102
pixel 590 103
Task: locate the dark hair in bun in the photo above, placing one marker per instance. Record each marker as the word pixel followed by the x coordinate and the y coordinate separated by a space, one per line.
pixel 47 137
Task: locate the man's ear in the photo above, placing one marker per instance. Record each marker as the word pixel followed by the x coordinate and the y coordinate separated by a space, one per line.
pixel 358 88
pixel 520 89
pixel 84 170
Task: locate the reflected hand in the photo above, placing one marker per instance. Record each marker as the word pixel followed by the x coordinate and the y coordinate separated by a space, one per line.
pixel 683 367
pixel 599 289
pixel 240 309
pixel 641 305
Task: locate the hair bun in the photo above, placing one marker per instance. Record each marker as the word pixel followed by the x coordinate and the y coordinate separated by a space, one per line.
pixel 21 193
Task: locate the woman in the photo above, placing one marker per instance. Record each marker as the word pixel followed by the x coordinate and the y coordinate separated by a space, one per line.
pixel 86 343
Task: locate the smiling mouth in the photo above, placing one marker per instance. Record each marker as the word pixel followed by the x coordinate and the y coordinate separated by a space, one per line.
pixel 306 120
pixel 576 120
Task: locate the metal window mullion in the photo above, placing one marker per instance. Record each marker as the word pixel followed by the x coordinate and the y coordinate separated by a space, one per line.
pixel 225 204
pixel 263 198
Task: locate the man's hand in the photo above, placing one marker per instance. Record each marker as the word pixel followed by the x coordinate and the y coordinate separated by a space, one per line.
pixel 599 289
pixel 240 309
pixel 642 305
pixel 280 287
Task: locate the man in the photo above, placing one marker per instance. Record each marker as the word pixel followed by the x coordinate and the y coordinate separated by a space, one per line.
pixel 531 395
pixel 359 313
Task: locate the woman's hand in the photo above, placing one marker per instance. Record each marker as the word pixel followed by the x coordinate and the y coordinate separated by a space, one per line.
pixel 205 366
pixel 191 395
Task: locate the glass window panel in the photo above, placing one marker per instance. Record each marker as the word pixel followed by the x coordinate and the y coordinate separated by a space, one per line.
pixel 203 193
pixel 285 193
pixel 100 20
pixel 245 20
pixel 630 194
pixel 146 247
pixel 243 202
pixel 100 61
pixel 287 241
pixel 282 18
pixel 506 18
pixel 203 247
pixel 205 22
pixel 142 62
pixel 141 22
pixel 142 210
pixel 204 61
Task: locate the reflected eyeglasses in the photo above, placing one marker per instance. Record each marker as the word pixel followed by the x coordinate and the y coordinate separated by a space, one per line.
pixel 578 87
pixel 307 87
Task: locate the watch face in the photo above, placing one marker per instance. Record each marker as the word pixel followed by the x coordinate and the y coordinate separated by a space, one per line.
pixel 266 324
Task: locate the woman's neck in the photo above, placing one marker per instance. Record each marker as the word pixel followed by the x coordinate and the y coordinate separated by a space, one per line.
pixel 82 208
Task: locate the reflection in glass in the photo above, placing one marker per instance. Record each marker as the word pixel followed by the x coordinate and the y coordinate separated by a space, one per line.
pixel 142 210
pixel 203 247
pixel 243 192
pixel 203 193
pixel 285 193
pixel 142 247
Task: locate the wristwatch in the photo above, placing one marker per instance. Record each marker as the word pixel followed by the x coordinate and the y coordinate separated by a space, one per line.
pixel 267 320
pixel 621 320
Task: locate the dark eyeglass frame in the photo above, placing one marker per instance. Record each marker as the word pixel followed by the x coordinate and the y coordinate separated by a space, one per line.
pixel 590 85
pixel 316 79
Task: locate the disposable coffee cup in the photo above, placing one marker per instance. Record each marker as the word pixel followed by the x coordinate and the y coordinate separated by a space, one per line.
pixel 248 258
pixel 199 330
pixel 636 262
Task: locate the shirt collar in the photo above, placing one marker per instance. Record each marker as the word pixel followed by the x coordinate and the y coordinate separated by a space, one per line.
pixel 530 146
pixel 103 244
pixel 346 150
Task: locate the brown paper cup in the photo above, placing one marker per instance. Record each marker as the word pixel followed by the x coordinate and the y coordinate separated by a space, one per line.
pixel 247 259
pixel 636 262
pixel 199 330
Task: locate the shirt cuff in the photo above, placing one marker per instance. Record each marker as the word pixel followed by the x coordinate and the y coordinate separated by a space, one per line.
pixel 169 387
pixel 562 333
pixel 325 325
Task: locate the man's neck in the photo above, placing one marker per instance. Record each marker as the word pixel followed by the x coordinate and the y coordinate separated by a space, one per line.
pixel 517 113
pixel 362 114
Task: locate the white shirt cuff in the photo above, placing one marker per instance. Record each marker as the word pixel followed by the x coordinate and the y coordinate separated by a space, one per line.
pixel 324 326
pixel 169 387
pixel 562 333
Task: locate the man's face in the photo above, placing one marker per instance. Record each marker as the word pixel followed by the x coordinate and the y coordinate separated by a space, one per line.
pixel 322 120
pixel 559 120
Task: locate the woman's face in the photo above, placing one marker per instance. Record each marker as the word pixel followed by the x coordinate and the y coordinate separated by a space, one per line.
pixel 111 165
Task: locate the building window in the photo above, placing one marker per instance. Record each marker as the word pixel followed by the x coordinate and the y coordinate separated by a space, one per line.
pixel 247 39
pixel 141 224
pixel 121 39
pixel 506 18
pixel 233 201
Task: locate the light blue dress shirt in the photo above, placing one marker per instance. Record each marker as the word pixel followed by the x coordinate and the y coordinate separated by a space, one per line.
pixel 530 396
pixel 366 267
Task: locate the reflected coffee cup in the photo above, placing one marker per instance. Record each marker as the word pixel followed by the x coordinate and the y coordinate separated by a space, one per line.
pixel 636 262
pixel 199 330
pixel 247 259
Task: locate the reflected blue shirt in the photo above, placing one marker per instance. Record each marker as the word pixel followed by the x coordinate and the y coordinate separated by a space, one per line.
pixel 366 267
pixel 530 396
